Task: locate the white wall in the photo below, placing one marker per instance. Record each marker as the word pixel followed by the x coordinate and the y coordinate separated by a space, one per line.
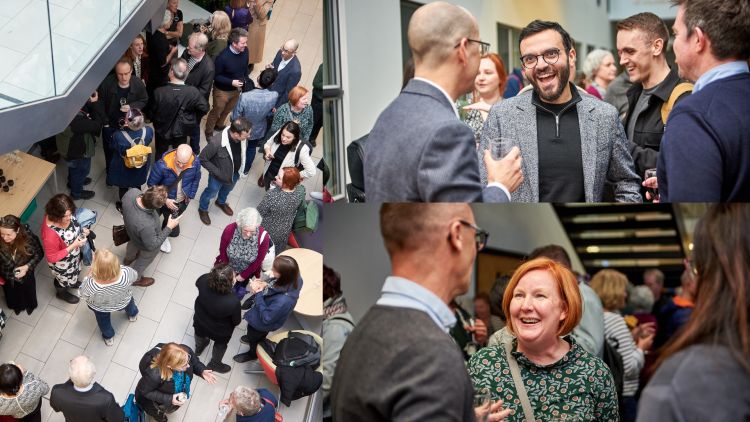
pixel 354 248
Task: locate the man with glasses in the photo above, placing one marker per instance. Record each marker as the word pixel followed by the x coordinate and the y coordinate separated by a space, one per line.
pixel 573 146
pixel 399 363
pixel 180 171
pixel 224 158
pixel 288 68
pixel 418 149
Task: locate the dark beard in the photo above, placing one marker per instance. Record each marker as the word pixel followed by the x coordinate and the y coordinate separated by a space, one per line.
pixel 564 76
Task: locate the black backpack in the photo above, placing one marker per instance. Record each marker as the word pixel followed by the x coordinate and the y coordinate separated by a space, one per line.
pixel 613 360
pixel 299 349
pixel 355 156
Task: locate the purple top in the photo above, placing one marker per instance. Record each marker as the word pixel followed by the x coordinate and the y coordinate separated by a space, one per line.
pixel 241 18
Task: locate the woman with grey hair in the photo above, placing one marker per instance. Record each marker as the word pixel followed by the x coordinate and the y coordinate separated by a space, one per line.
pixel 244 246
pixel 600 69
pixel 251 405
pixel 134 133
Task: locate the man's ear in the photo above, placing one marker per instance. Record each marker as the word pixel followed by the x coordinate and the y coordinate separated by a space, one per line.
pixel 657 46
pixel 455 234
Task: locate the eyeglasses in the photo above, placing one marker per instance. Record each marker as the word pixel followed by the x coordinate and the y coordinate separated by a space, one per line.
pixel 550 56
pixel 484 47
pixel 480 237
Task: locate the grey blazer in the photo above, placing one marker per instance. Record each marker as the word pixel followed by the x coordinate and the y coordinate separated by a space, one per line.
pixel 604 147
pixel 418 151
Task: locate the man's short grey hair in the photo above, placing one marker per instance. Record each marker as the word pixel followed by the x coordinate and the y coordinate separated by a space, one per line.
pixel 641 299
pixel 81 371
pixel 200 39
pixel 247 400
pixel 593 62
pixel 249 217
pixel 167 20
pixel 180 69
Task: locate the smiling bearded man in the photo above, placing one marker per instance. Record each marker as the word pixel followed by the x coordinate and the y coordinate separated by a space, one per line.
pixel 572 145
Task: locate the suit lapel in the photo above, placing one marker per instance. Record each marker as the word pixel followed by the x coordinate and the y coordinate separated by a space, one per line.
pixel 589 137
pixel 526 139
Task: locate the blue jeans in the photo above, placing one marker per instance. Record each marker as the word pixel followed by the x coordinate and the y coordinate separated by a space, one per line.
pixel 105 323
pixel 252 145
pixel 215 186
pixel 78 169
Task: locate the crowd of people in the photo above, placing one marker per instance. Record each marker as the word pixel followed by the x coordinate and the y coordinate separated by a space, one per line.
pixel 554 141
pixel 148 114
pixel 529 352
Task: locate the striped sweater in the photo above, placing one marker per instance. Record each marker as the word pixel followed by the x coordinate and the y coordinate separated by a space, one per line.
pixel 618 335
pixel 109 297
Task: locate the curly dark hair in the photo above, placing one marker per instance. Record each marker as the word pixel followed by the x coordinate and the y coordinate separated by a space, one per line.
pixel 220 278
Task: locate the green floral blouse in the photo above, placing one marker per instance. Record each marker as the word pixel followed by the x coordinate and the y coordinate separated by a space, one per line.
pixel 578 387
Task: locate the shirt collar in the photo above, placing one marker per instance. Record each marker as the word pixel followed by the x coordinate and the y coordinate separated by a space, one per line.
pixel 83 389
pixel 450 100
pixel 720 72
pixel 233 50
pixel 402 293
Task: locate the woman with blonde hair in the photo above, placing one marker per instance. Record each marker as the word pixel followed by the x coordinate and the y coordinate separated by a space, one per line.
pixel 109 288
pixel 611 286
pixel 220 28
pixel 166 373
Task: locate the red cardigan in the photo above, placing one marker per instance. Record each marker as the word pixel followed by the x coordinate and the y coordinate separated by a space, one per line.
pixel 254 268
pixel 55 248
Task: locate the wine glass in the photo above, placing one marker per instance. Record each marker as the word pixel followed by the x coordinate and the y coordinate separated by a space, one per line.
pixel 482 402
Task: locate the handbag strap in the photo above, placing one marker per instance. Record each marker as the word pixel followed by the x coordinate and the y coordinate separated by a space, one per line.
pixel 176 182
pixel 520 389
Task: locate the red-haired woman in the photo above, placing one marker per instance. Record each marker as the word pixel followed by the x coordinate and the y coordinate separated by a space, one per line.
pixel 279 206
pixel 562 381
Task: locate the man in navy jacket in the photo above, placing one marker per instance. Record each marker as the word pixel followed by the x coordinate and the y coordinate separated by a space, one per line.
pixel 705 152
pixel 289 70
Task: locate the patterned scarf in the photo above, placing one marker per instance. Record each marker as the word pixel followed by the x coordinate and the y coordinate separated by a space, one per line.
pixel 242 252
pixel 181 382
pixel 334 306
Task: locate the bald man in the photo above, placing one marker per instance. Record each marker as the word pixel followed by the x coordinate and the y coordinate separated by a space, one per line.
pixel 180 171
pixel 399 363
pixel 419 150
pixel 289 70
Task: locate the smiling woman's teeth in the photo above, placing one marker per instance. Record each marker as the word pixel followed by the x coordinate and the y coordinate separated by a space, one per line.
pixel 529 320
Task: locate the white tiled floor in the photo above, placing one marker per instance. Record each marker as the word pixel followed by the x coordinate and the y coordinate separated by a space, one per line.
pixel 45 341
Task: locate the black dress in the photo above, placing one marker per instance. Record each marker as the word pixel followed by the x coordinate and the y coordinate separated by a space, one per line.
pixel 20 294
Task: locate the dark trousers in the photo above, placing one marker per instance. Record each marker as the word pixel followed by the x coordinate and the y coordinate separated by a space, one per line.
pixel 108 134
pixel 21 296
pixel 78 169
pixel 317 107
pixel 121 192
pixel 165 144
pixel 195 135
pixel 250 150
pixel 218 350
pixel 155 410
pixel 104 320
pixel 166 212
pixel 255 337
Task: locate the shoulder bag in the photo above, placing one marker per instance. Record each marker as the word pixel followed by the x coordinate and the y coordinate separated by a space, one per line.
pixel 520 389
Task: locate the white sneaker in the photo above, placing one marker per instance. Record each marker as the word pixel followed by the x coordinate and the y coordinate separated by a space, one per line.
pixel 133 318
pixel 316 195
pixel 109 341
pixel 243 175
pixel 166 247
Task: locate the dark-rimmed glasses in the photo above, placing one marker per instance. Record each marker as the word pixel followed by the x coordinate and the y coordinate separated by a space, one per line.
pixel 550 56
pixel 480 237
pixel 484 47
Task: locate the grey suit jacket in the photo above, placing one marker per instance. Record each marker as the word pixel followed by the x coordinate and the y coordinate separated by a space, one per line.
pixel 604 147
pixel 418 151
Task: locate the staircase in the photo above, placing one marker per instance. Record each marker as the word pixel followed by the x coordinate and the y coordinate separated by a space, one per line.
pixel 628 238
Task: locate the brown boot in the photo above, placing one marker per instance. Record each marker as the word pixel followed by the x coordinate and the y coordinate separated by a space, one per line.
pixel 144 282
pixel 205 219
pixel 226 208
